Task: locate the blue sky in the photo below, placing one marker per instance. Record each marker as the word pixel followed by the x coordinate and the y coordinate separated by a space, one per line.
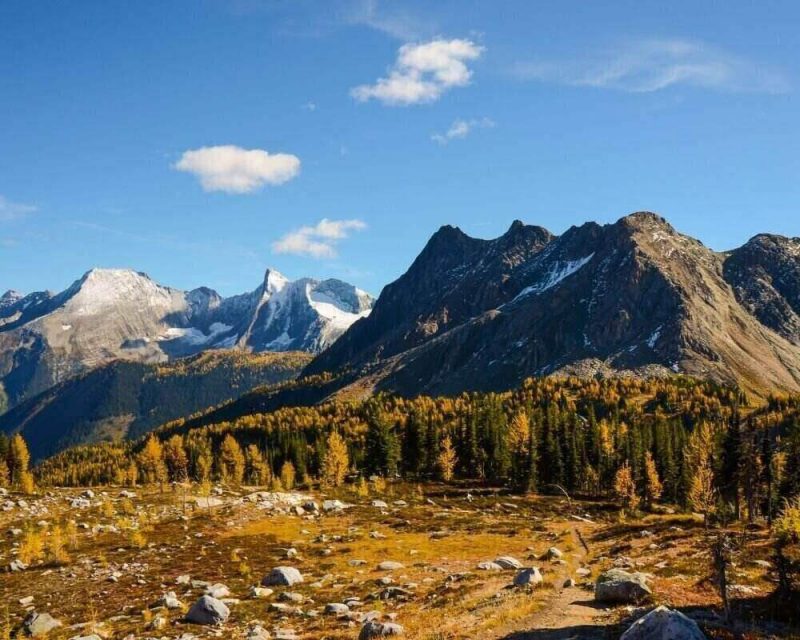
pixel 202 141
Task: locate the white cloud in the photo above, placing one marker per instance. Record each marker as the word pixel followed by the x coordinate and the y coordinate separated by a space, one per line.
pixel 318 241
pixel 422 73
pixel 655 64
pixel 461 129
pixel 14 210
pixel 236 170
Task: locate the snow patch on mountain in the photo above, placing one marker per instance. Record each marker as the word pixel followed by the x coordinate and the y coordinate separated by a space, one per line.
pixel 558 272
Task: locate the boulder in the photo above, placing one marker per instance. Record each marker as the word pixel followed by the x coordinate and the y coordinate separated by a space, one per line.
pixel 208 610
pixel 282 576
pixel 663 624
pixel 389 565
pixel 489 566
pixel 336 609
pixel 617 585
pixel 218 591
pixel 508 562
pixel 528 578
pixel 39 624
pixel 374 629
pixel 554 553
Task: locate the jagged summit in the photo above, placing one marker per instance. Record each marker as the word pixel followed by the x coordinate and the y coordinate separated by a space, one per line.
pixel 633 297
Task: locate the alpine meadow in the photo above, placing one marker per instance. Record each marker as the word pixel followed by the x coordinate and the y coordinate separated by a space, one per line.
pixel 533 369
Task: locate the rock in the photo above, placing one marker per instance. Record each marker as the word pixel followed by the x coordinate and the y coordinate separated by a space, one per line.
pixel 92 636
pixel 170 601
pixel 616 585
pixel 374 629
pixel 507 562
pixel 583 572
pixel 282 576
pixel 528 578
pixel 26 601
pixel 310 506
pixel 379 504
pixel 333 505
pixel 292 596
pixel 17 565
pixel 208 610
pixel 88 494
pixel 157 623
pixel 39 624
pixel 569 583
pixel 489 566
pixel 663 624
pixel 260 592
pixel 184 579
pixel 336 609
pixel 258 633
pixel 554 553
pixel 218 591
pixel 389 565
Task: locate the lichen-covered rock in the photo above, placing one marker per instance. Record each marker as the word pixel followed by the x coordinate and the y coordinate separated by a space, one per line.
pixel 508 562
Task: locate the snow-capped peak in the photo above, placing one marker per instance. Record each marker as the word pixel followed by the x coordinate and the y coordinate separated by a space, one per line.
pixel 274 281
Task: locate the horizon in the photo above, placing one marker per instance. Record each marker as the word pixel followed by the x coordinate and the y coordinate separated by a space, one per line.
pixel 332 141
pixel 376 293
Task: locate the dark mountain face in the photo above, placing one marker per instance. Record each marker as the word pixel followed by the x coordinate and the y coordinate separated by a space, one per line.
pixel 633 298
pixel 765 275
pixel 455 278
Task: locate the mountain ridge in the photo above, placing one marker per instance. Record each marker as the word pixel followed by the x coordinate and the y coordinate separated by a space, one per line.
pixel 110 314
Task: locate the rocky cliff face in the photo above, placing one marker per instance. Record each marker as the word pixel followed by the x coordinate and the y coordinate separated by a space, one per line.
pixel 632 298
pixel 113 314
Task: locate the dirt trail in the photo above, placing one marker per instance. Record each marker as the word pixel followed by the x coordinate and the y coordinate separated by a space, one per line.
pixel 570 614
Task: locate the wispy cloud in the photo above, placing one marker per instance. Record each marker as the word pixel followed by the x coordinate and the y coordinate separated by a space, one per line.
pixel 655 64
pixel 235 170
pixel 387 19
pixel 422 73
pixel 461 129
pixel 14 210
pixel 318 241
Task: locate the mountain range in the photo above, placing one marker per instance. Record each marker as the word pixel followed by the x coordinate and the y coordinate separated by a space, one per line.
pixel 113 314
pixel 632 298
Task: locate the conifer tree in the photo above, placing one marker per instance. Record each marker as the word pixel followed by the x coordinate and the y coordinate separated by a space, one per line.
pixel 625 488
pixel 151 462
pixel 231 461
pixel 257 471
pixel 446 461
pixel 337 461
pixel 288 475
pixel 652 483
pixel 175 459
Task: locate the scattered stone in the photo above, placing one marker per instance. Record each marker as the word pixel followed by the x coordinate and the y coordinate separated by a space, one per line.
pixel 169 600
pixel 17 565
pixel 337 609
pixel 508 562
pixel 554 553
pixel 282 576
pixel 218 591
pixel 374 629
pixel 208 610
pixel 389 565
pixel 260 592
pixel 569 583
pixel 528 578
pixel 379 504
pixel 26 601
pixel 663 624
pixel 39 624
pixel 489 566
pixel 616 585
pixel 258 633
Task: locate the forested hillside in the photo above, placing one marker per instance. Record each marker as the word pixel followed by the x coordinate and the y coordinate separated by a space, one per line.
pixel 126 399
pixel 680 441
